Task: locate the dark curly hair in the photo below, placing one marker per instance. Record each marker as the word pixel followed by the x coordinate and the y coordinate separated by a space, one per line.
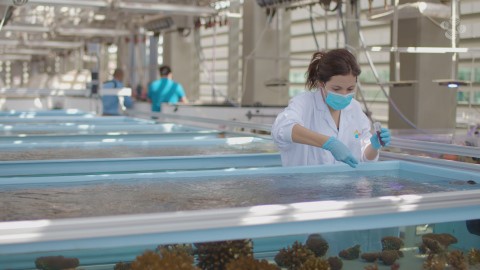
pixel 326 64
pixel 164 70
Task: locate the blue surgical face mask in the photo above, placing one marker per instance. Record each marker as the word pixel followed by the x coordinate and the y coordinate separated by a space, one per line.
pixel 338 101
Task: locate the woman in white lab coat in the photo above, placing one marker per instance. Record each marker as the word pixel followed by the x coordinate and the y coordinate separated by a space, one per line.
pixel 326 126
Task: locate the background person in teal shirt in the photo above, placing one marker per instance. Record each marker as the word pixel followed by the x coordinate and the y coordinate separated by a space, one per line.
pixel 111 103
pixel 165 90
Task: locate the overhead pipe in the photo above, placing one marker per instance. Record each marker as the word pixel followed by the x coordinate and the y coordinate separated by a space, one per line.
pixel 32 28
pixel 455 36
pixel 72 3
pixel 68 31
pixel 9 42
pixel 104 32
pixel 26 51
pixel 13 57
pixel 174 9
pixel 140 7
pixel 396 54
pixel 54 44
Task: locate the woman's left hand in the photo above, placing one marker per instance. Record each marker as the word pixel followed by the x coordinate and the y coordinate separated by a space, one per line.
pixel 384 136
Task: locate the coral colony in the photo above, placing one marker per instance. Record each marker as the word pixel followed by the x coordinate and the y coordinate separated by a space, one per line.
pixel 311 255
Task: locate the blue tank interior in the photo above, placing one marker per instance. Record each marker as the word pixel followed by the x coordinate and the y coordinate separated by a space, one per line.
pixel 40 113
pixel 113 137
pixel 85 119
pixel 136 165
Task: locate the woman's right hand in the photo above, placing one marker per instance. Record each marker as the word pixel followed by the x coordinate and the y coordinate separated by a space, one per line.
pixel 340 152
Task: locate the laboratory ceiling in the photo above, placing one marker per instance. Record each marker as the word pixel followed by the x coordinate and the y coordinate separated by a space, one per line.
pixel 37 27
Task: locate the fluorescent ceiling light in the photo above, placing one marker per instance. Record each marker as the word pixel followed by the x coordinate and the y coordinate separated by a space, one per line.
pixel 112 49
pixel 34 28
pixel 71 3
pixel 92 32
pixel 172 9
pixel 422 49
pixel 376 49
pixel 89 58
pixel 99 17
pixel 452 83
pixel 234 15
pixel 222 4
pixel 54 44
pixel 436 50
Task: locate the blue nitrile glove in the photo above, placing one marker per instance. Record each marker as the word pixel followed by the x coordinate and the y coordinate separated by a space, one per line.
pixel 340 152
pixel 385 135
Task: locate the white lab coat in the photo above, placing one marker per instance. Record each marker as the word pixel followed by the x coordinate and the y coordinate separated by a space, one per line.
pixel 309 110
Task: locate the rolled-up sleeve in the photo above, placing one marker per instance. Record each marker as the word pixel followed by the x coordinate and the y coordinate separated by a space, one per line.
pixel 283 125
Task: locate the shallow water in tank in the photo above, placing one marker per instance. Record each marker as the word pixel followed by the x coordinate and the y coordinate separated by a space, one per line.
pixel 137 150
pixel 73 128
pixel 114 197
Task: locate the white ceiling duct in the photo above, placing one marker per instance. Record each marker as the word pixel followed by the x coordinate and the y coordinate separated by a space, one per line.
pixel 27 51
pixel 33 28
pixel 54 44
pixel 9 42
pixel 412 10
pixel 71 3
pixel 141 7
pixel 173 9
pixel 105 32
pixel 13 57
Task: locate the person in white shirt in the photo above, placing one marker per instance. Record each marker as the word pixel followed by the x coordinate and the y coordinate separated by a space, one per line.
pixel 326 125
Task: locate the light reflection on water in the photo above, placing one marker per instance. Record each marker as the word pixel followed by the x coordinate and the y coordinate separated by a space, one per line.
pixel 147 196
